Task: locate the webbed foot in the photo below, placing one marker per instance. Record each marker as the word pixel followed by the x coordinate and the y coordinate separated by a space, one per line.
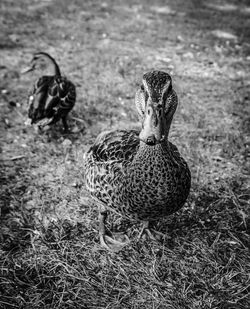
pixel 152 234
pixel 108 242
pixel 112 244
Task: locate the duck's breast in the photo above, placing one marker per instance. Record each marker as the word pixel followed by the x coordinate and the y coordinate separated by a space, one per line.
pixel 157 183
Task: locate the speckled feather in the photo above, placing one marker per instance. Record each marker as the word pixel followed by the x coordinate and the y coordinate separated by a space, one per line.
pixel 157 80
pixel 134 179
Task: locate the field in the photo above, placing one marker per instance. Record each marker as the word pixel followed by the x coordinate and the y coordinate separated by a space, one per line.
pixel 50 256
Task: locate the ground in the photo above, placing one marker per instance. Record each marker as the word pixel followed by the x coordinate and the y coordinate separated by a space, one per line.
pixel 50 256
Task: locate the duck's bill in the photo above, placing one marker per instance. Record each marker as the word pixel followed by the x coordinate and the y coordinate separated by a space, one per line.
pixel 44 122
pixel 40 123
pixel 26 70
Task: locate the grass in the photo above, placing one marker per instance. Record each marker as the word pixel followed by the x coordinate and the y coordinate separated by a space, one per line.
pixel 50 255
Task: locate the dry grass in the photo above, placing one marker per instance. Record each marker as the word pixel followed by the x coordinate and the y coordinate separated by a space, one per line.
pixel 50 255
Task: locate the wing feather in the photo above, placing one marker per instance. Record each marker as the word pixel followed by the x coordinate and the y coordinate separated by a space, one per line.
pixel 115 146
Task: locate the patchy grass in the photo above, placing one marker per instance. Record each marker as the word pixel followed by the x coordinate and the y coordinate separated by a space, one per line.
pixel 50 255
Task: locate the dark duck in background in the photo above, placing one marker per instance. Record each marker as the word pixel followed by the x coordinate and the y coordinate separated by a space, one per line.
pixel 53 95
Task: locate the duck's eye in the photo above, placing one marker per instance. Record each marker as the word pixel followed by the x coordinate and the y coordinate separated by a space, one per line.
pixel 142 88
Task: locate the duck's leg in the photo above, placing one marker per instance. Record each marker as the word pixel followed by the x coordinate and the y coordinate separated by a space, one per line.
pixel 65 124
pixel 145 228
pixel 105 240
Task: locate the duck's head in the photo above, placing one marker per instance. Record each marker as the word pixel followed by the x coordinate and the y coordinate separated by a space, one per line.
pixel 43 61
pixel 156 103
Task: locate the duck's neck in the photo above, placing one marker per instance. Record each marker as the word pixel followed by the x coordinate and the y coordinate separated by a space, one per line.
pixel 53 66
pixel 148 153
pixel 56 71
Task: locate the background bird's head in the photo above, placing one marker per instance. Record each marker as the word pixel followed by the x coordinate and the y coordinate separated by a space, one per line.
pixel 43 62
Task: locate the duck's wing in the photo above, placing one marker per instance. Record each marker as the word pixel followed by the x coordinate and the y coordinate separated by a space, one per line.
pixel 120 145
pixel 61 97
pixel 37 98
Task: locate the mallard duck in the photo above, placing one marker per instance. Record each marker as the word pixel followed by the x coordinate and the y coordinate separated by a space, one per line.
pixel 53 95
pixel 139 174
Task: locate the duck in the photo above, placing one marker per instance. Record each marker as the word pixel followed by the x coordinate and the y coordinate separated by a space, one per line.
pixel 53 95
pixel 139 174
